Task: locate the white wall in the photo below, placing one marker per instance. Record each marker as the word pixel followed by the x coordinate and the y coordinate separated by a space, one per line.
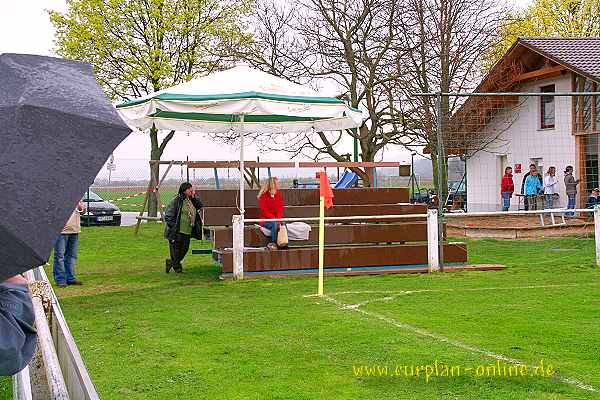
pixel 520 142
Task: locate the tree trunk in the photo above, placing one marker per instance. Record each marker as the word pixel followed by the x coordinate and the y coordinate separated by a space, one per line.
pixel 155 155
pixel 156 152
pixel 442 189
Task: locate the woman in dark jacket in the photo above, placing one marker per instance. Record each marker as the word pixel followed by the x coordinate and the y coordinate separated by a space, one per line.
pixel 182 222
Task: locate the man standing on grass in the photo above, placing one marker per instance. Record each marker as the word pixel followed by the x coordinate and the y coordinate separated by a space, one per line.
pixel 65 250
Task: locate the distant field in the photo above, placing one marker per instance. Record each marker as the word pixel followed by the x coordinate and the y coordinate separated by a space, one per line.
pixel 131 200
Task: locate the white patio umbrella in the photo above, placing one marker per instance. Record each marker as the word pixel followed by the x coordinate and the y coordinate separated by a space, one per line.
pixel 240 99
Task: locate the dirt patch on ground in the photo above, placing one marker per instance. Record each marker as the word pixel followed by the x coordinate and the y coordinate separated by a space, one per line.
pixel 512 221
pixel 517 227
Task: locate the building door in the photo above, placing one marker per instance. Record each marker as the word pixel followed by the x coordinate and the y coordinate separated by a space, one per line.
pixel 539 163
pixel 503 163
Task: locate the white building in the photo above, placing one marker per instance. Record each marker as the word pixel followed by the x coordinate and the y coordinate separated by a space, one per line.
pixel 543 130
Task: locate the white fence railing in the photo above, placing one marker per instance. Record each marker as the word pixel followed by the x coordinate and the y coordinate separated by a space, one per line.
pixel 433 239
pixel 62 373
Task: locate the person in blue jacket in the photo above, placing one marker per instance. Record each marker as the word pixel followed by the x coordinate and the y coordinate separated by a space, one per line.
pixel 17 332
pixel 533 187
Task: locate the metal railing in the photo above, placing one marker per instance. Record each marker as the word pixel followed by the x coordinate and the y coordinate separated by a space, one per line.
pixel 435 260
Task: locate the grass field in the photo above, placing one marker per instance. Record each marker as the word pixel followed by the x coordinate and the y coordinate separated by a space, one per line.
pixel 148 335
pixel 134 201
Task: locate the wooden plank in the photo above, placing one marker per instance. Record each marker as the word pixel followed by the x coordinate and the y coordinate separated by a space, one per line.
pixel 222 216
pixel 75 373
pixel 369 271
pixel 22 385
pixel 305 197
pixel 541 73
pixel 56 382
pixel 291 164
pixel 343 257
pixel 334 234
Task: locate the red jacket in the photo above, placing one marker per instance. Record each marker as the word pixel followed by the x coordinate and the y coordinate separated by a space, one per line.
pixel 507 184
pixel 270 206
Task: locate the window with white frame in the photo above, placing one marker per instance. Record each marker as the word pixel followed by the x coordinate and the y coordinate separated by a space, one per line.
pixel 547 108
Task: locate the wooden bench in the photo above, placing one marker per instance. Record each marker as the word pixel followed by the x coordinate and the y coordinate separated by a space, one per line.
pixel 306 197
pixel 384 245
pixel 335 234
pixel 221 216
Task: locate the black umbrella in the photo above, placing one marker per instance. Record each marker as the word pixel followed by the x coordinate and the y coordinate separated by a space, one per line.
pixel 57 128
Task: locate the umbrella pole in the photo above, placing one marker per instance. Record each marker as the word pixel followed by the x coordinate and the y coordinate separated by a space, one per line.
pixel 238 220
pixel 242 167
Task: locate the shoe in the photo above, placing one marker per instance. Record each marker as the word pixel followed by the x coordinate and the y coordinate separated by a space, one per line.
pixel 272 246
pixel 62 285
pixel 168 265
pixel 178 270
pixel 75 282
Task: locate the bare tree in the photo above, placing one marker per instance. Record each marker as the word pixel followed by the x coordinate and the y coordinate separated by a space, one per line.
pixel 447 40
pixel 352 45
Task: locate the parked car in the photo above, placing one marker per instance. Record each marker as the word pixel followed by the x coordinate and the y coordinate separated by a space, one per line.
pixel 100 212
pixel 457 189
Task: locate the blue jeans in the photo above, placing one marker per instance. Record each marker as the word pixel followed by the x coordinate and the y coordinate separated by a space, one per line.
pixel 274 228
pixel 549 200
pixel 65 255
pixel 571 204
pixel 505 201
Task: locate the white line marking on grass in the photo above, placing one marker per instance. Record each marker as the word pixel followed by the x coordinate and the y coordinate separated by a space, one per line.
pixel 403 292
pixel 456 343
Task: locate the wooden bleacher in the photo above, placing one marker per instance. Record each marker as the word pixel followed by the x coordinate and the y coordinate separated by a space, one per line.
pixel 373 246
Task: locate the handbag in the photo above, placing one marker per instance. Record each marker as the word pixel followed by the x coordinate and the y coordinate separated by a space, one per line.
pixel 282 236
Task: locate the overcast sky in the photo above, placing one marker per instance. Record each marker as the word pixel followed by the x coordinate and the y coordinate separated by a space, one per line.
pixel 26 28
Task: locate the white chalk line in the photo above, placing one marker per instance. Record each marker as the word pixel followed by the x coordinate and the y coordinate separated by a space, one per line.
pixel 455 343
pixel 405 292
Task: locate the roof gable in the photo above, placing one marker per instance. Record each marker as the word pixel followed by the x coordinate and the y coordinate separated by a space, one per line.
pixel 581 55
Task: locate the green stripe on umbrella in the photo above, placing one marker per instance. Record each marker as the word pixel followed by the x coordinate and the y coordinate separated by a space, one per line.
pixel 230 117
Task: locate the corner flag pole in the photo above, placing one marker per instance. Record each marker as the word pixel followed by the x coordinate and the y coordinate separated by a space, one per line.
pixel 321 242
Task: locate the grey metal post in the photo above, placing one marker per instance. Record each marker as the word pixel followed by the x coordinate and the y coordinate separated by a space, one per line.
pixel 440 189
pixel 597 233
pixel 412 197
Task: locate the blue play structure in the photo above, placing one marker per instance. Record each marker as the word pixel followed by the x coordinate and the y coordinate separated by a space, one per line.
pixel 348 180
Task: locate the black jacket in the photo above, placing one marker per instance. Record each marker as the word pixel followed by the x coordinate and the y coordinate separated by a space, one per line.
pixel 173 218
pixel 17 333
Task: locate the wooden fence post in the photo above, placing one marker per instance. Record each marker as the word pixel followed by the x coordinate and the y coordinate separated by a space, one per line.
pixel 433 240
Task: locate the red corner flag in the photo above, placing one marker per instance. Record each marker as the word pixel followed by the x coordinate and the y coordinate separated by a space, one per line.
pixel 325 189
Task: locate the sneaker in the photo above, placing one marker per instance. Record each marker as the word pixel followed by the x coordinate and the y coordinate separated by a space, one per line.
pixel 61 285
pixel 76 282
pixel 168 265
pixel 178 270
pixel 272 246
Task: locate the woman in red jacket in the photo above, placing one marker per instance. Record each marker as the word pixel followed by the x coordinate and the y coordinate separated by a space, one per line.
pixel 507 188
pixel 271 206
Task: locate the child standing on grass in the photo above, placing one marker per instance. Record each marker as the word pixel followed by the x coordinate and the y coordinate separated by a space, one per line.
pixel 550 182
pixel 533 186
pixel 507 188
pixel 571 189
